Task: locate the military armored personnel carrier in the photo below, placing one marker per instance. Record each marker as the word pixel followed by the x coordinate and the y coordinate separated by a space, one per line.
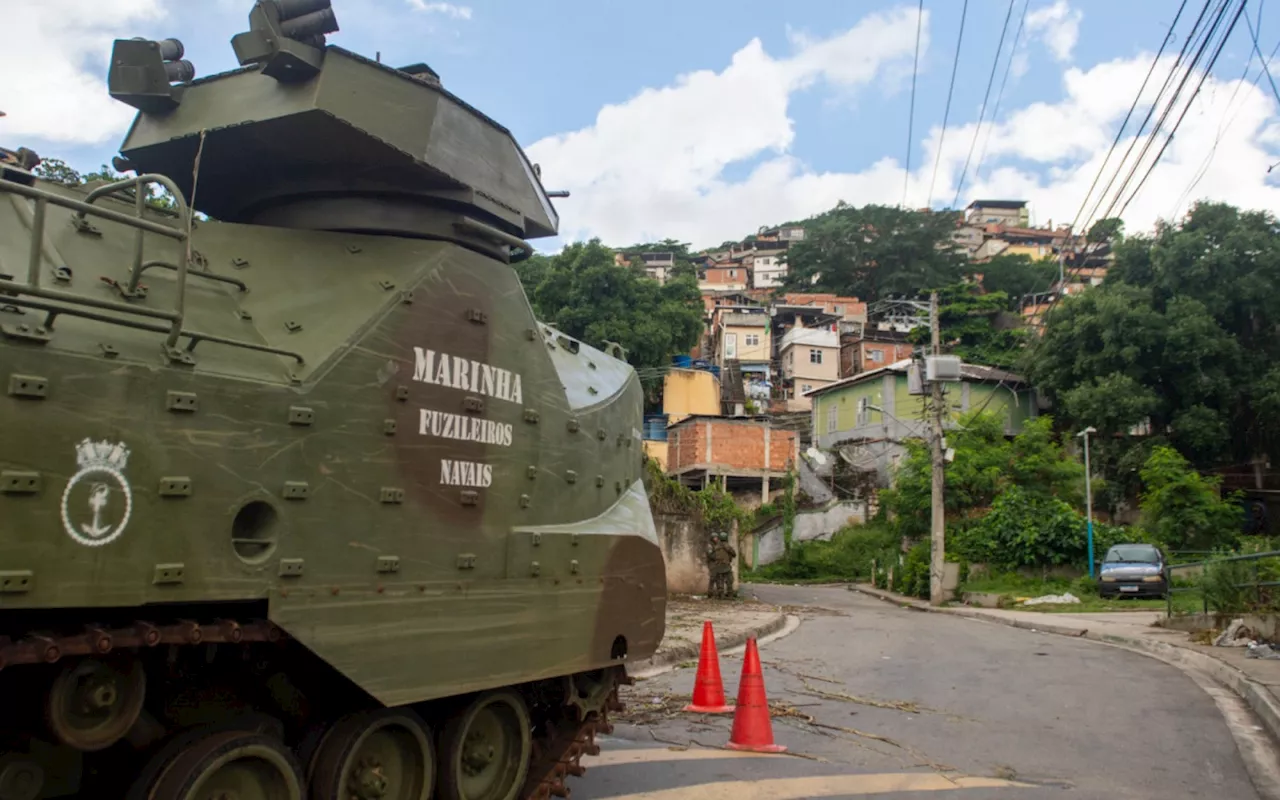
pixel 297 498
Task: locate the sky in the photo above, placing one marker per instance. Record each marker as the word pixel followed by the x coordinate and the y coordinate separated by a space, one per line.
pixel 704 121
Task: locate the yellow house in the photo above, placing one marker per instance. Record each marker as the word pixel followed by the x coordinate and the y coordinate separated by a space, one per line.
pixel 744 337
pixel 657 450
pixel 689 391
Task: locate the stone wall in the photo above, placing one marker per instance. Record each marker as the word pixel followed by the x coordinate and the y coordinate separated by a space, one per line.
pixel 819 523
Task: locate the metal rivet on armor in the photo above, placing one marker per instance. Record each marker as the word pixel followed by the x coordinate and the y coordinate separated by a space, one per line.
pixel 536 539
pixel 293 326
pixel 477 316
pixel 601 434
pixel 402 392
pixel 470 497
pixel 388 426
pixel 245 315
pixel 573 539
pixel 570 476
pixel 353 248
pixel 531 472
pixel 301 415
pixel 525 501
pixel 108 350
pixel 530 334
pixel 386 285
pixel 239 263
pixel 406 297
pixel 28 386
pixel 473 404
pixel 535 568
pixel 181 401
pixel 573 426
pixel 531 415
pixel 599 481
pixel 573 566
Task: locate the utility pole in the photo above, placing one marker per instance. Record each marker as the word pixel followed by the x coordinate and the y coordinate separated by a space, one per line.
pixel 1088 490
pixel 937 536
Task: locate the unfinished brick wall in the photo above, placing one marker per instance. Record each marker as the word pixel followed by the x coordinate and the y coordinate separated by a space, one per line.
pixel 735 445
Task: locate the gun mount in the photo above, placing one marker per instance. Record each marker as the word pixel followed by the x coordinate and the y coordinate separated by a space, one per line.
pixel 312 136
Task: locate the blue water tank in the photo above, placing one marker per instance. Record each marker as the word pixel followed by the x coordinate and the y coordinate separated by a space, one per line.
pixel 682 361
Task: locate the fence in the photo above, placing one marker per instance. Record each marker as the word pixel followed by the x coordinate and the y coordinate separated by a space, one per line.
pixel 1255 584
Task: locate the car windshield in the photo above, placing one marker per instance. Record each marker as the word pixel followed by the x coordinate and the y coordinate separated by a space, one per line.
pixel 1144 553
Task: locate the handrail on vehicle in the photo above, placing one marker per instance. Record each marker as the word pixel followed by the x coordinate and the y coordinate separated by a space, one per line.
pixel 76 305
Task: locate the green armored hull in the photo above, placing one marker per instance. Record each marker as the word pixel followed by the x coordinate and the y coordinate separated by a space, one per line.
pixel 305 482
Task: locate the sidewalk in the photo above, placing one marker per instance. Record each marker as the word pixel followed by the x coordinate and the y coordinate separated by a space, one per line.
pixel 1255 680
pixel 733 622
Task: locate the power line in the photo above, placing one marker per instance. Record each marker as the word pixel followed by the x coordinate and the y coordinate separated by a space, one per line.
pixel 1213 150
pixel 1254 35
pixel 1155 103
pixel 955 64
pixel 1119 133
pixel 995 64
pixel 1167 109
pixel 1013 51
pixel 1203 77
pixel 911 115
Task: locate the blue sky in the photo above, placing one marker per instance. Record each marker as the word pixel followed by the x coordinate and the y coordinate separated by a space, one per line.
pixel 793 106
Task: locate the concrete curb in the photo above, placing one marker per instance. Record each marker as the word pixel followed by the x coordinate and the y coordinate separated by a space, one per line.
pixel 691 651
pixel 1255 695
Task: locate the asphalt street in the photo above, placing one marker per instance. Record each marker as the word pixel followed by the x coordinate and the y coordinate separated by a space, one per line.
pixel 873 700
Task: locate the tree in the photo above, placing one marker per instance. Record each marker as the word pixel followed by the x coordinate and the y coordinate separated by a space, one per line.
pixel 1179 341
pixel 585 294
pixel 1017 275
pixel 875 251
pixel 1182 508
pixel 58 171
pixel 975 326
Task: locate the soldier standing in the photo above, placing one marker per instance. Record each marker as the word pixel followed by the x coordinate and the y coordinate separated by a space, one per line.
pixel 720 556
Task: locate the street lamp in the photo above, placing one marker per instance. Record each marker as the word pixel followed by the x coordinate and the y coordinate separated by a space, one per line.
pixel 1088 491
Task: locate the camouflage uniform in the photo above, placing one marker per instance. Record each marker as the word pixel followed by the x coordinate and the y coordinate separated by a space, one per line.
pixel 720 555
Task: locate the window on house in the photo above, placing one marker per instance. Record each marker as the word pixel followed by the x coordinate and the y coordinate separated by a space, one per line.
pixel 804 387
pixel 831 418
pixel 753 340
pixel 815 356
pixel 733 273
pixel 876 356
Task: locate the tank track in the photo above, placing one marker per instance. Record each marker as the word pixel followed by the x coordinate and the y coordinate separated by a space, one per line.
pixel 558 745
pixel 558 750
pixel 47 648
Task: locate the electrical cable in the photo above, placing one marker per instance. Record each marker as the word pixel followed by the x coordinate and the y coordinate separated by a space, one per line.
pixel 955 64
pixel 911 115
pixel 1013 51
pixel 995 64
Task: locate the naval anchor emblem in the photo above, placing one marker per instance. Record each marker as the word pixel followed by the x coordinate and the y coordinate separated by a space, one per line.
pixel 97 501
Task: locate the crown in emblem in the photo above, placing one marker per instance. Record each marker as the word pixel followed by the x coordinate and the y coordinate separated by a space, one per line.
pixel 100 455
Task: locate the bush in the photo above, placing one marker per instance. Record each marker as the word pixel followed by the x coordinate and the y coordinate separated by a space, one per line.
pixel 847 557
pixel 915 571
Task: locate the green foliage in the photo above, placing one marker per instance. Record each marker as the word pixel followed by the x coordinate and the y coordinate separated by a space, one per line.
pixel 1106 230
pixel 968 324
pixel 913 578
pixel 1182 334
pixel 585 294
pixel 1182 508
pixel 1024 530
pixel 874 251
pixel 1017 275
pixel 788 509
pixel 714 508
pixel 986 464
pixel 57 170
pixel 847 557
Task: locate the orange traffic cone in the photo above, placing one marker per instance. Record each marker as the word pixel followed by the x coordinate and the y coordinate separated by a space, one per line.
pixel 708 689
pixel 752 729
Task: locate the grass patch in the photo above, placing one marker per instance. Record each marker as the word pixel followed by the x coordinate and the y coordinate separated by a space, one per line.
pixel 1013 586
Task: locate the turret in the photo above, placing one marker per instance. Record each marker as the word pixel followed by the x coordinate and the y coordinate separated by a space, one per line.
pixel 309 135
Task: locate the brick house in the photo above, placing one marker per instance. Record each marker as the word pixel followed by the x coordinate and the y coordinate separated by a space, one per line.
pixel 743 453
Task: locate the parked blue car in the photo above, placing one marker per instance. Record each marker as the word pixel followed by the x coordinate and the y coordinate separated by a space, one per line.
pixel 1133 570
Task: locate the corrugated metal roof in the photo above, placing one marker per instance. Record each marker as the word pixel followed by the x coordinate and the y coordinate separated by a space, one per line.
pixel 970 372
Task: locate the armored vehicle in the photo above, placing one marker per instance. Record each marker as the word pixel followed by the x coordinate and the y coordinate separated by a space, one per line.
pixel 297 498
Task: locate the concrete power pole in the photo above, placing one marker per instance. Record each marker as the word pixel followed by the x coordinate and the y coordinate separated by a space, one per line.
pixel 939 526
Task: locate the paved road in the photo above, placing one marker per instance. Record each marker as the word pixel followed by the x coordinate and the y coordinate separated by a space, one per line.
pixel 929 704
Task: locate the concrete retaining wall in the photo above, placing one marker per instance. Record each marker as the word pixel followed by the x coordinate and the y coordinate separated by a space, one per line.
pixel 818 524
pixel 684 547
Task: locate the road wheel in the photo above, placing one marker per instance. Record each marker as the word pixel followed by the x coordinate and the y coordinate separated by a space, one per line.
pixel 377 755
pixel 485 748
pixel 230 764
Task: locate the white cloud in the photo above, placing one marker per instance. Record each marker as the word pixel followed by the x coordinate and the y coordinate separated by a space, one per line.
pixel 654 166
pixel 1059 25
pixel 52 63
pixel 448 9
